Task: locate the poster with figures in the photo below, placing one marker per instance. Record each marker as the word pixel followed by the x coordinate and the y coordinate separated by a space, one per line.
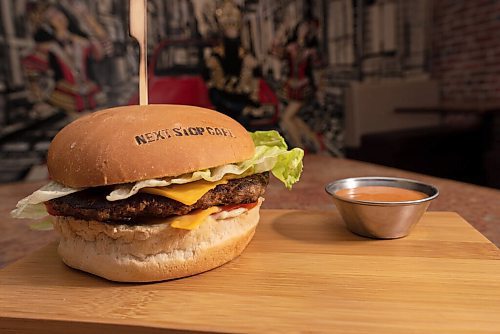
pixel 270 65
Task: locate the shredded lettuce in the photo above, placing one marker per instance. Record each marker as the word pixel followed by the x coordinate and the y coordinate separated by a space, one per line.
pixel 43 225
pixel 32 206
pixel 271 154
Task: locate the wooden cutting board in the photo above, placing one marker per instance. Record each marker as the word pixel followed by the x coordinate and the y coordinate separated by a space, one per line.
pixel 303 272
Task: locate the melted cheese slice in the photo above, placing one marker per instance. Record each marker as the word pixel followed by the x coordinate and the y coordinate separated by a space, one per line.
pixel 192 220
pixel 188 193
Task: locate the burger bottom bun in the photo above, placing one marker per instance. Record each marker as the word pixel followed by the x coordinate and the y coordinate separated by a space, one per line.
pixel 156 252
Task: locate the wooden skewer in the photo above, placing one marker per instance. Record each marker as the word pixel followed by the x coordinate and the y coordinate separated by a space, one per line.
pixel 138 30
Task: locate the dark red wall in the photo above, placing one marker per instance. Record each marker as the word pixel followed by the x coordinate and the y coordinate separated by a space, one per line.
pixel 466 49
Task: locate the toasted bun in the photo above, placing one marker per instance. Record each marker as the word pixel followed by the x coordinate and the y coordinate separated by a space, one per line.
pixel 133 143
pixel 147 253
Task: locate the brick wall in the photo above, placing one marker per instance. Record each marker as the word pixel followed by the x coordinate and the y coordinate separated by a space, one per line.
pixel 465 52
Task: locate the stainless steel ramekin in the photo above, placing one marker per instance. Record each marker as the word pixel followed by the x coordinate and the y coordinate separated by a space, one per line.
pixel 381 220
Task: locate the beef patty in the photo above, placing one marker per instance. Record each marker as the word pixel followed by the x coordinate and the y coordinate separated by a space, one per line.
pixel 91 204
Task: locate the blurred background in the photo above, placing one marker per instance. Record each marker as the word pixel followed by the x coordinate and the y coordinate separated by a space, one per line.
pixel 409 84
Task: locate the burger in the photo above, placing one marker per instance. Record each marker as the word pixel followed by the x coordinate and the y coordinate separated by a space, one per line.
pixel 157 192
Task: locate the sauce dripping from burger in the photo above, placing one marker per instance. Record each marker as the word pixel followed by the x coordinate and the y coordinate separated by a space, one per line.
pixel 231 207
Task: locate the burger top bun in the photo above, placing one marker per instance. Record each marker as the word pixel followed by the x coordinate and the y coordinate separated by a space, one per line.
pixel 133 143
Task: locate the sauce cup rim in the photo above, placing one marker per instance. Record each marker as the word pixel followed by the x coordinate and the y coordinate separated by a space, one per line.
pixel 353 182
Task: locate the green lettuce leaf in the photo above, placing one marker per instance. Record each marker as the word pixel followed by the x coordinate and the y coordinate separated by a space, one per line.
pixel 32 207
pixel 43 225
pixel 271 148
pixel 268 138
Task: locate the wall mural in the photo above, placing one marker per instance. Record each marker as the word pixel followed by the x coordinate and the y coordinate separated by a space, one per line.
pixel 58 68
pixel 268 64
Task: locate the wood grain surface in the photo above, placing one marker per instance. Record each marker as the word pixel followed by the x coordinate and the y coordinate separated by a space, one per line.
pixel 303 272
pixel 478 205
